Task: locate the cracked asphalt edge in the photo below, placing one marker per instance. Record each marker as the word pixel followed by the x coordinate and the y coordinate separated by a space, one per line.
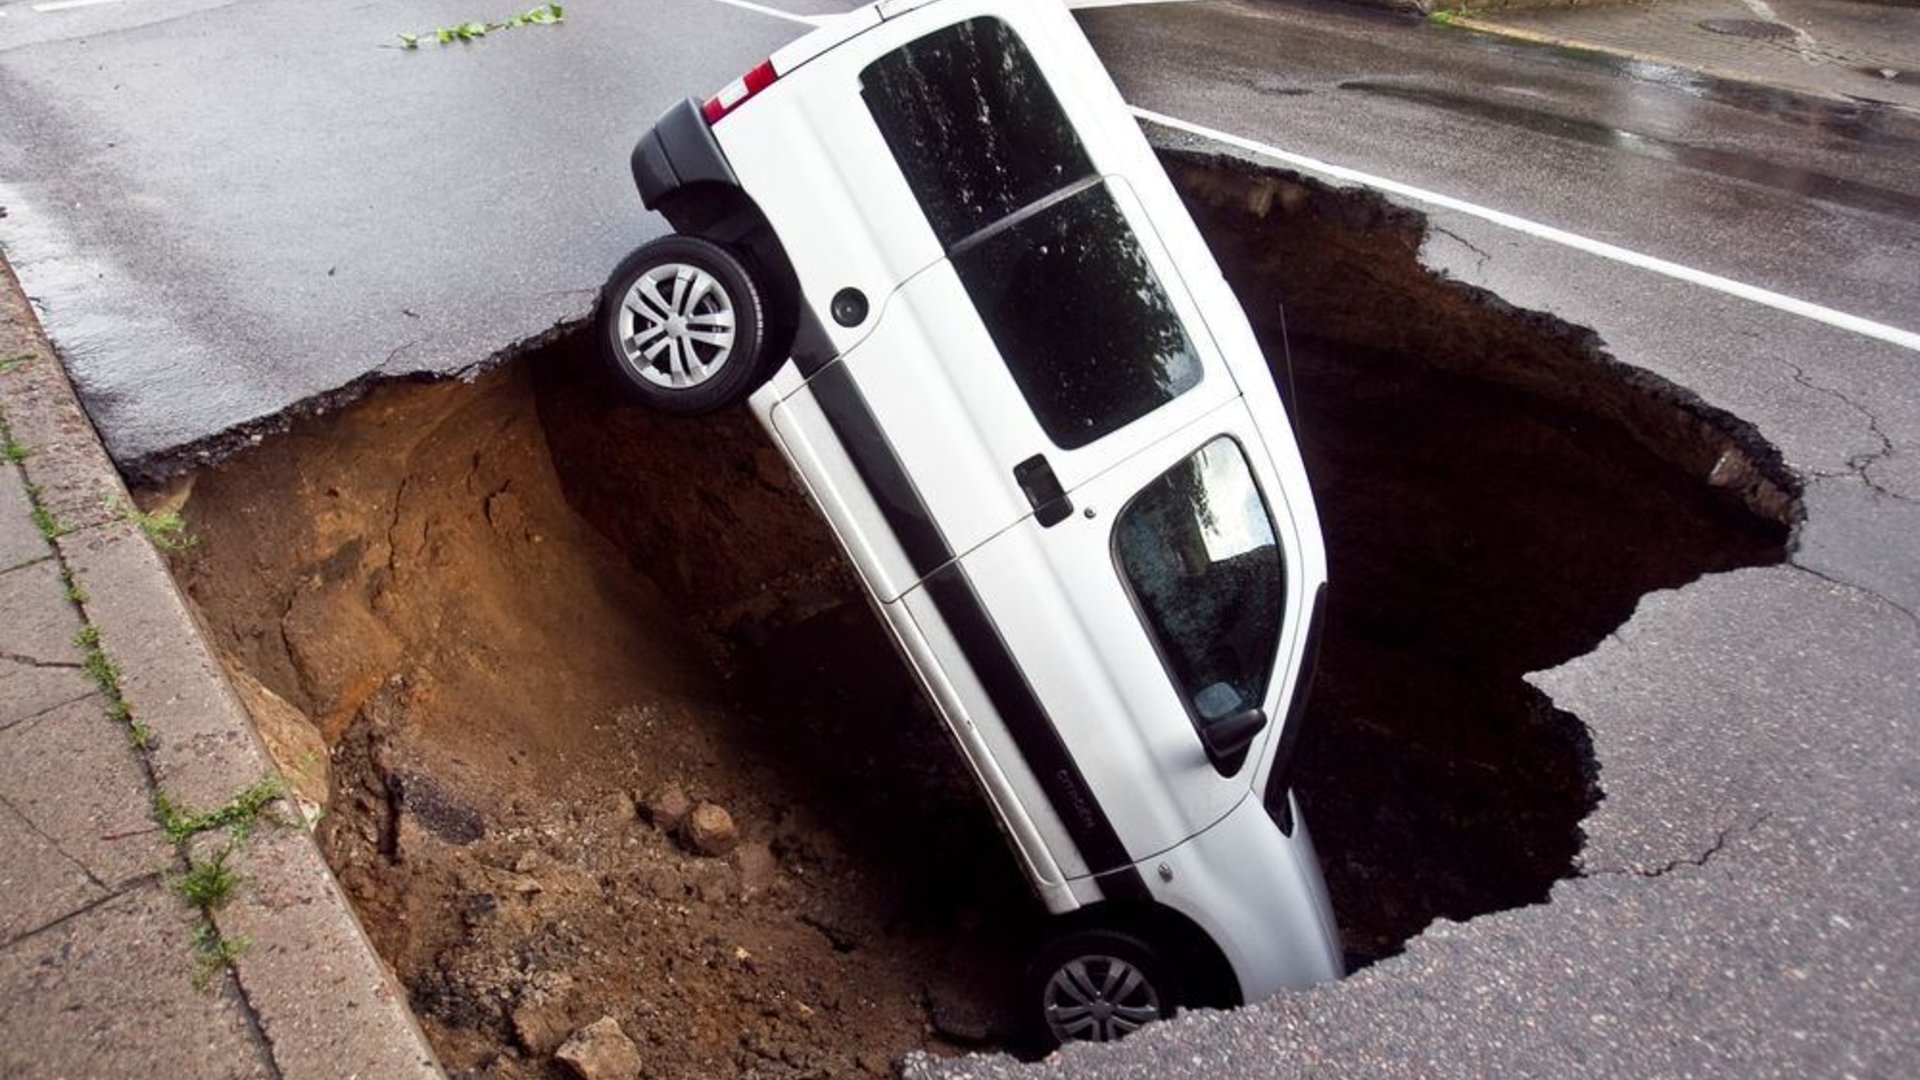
pixel 322 1001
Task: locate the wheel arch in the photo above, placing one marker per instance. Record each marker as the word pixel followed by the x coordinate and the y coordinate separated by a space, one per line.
pixel 1207 978
pixel 724 213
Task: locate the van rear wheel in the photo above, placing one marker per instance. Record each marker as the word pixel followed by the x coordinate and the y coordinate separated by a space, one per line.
pixel 682 324
pixel 1097 986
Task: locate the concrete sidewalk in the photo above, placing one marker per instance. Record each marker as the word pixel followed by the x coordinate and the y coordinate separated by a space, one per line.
pixel 1858 50
pixel 195 933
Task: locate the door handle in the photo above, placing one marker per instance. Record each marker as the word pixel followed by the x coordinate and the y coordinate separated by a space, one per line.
pixel 1043 491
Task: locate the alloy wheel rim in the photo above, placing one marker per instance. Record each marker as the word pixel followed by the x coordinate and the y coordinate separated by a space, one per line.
pixel 1099 999
pixel 676 327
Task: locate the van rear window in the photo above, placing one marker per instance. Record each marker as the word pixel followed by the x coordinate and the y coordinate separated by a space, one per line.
pixel 973 124
pixel 1079 316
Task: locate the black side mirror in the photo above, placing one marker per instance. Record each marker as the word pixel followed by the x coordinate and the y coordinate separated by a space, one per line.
pixel 1227 738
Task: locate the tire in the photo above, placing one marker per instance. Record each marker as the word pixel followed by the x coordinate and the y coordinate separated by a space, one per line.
pixel 1097 986
pixel 682 325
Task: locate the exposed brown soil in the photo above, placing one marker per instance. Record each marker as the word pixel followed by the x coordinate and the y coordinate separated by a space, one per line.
pixel 498 687
pixel 514 607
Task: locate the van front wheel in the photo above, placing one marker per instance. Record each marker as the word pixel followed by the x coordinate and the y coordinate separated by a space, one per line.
pixel 682 324
pixel 1098 985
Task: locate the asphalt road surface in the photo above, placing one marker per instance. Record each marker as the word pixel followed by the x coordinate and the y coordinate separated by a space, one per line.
pixel 228 208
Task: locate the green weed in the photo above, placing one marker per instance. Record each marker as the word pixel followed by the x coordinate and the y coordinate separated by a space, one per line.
pixel 15 361
pixel 239 814
pixel 544 15
pixel 213 953
pixel 208 883
pixel 74 592
pixel 43 519
pixel 102 670
pixel 166 528
pixel 99 666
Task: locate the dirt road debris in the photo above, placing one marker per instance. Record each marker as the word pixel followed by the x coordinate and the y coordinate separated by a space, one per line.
pixel 601 1051
pixel 666 807
pixel 709 830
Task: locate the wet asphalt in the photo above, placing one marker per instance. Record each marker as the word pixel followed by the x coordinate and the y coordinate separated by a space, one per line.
pixel 224 209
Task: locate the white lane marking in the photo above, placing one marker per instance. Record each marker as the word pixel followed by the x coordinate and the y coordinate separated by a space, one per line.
pixel 1806 309
pixel 63 5
pixel 1893 335
pixel 817 20
pixel 744 5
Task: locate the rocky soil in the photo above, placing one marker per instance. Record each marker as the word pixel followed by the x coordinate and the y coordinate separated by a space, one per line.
pixel 504 703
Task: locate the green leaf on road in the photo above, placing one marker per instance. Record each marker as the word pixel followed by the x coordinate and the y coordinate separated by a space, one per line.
pixel 544 15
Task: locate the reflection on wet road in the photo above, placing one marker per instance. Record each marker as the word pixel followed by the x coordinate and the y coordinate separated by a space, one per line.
pixel 1836 190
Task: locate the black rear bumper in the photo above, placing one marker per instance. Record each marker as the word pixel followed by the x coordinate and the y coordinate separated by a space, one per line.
pixel 678 151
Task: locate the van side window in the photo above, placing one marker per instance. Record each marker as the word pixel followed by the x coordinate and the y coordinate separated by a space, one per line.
pixel 973 124
pixel 1079 316
pixel 1196 547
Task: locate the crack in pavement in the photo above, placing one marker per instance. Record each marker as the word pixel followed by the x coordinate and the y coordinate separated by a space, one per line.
pixel 1714 849
pixel 1463 242
pixel 1858 464
pixel 16 722
pixel 35 662
pixel 52 843
pixel 136 883
pixel 1861 589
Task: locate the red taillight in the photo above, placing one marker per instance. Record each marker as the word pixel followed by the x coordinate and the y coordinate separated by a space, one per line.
pixel 736 93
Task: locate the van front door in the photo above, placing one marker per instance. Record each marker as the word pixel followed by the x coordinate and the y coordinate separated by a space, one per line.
pixel 1118 644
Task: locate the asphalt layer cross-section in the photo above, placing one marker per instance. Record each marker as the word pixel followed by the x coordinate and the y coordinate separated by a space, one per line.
pixel 225 209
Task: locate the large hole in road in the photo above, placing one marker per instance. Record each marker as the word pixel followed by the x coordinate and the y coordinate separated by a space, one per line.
pixel 488 625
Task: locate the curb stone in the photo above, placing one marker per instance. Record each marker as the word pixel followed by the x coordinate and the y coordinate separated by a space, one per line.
pixel 320 998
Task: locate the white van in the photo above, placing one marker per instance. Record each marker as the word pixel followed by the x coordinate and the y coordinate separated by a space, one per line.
pixel 930 242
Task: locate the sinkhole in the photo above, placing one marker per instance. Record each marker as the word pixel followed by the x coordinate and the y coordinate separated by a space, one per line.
pixel 495 628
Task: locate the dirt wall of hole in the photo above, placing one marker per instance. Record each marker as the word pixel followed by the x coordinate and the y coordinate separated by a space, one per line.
pixel 496 691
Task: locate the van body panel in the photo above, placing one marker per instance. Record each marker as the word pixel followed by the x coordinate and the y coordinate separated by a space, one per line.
pixel 1075 626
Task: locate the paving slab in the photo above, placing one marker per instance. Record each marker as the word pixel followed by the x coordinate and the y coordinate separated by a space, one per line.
pixel 20 541
pixel 98 982
pixel 39 662
pixel 72 775
pixel 110 992
pixel 200 756
pixel 311 970
pixel 76 486
pixel 38 885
